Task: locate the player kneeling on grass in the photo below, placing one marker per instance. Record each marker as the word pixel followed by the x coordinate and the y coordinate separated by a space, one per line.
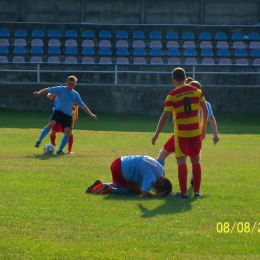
pixel 134 175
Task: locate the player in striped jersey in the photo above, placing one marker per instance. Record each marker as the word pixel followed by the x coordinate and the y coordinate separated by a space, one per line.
pixel 185 102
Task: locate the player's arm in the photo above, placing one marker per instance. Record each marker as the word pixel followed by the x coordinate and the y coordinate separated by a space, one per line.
pixel 87 111
pixel 204 118
pixel 162 122
pixel 214 128
pixel 146 194
pixel 42 91
pixel 76 115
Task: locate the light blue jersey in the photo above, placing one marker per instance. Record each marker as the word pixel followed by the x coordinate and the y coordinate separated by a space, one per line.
pixel 141 169
pixel 65 99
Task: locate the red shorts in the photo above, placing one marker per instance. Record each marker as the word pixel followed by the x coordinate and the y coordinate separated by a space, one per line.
pixel 117 176
pixel 169 146
pixel 57 128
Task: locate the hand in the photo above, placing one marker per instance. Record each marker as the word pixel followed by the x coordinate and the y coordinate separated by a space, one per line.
pixel 215 139
pixel 203 135
pixel 36 93
pixel 162 194
pixel 93 117
pixel 154 138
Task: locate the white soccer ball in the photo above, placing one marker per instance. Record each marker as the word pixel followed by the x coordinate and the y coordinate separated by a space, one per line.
pixel 49 148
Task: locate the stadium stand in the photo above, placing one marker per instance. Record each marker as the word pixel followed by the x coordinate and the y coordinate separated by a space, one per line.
pixel 221 36
pixel 71 34
pixel 105 43
pixel 121 34
pixel 122 60
pixel 139 52
pixel 37 42
pixel 205 36
pixel 36 50
pixel 71 60
pixel 104 34
pixel 156 52
pixel 18 59
pixel 53 60
pixel 253 36
pixel 190 52
pixel 3 59
pixel 122 52
pixel 207 61
pixel 88 51
pixel 88 60
pixel 105 60
pixel 173 52
pixel 71 51
pixel 19 50
pixel 188 36
pixel 121 44
pixel 4 42
pixel 105 51
pixel 139 60
pixel 156 61
pixel 225 61
pixel 138 35
pixel 20 33
pixel 89 34
pixel 237 36
pixel 54 50
pixel 71 43
pixel 138 44
pixel 189 44
pixel 155 44
pixel 88 43
pixel 206 53
pixel 37 33
pixel 4 33
pixel 54 33
pixel 172 44
pixel 206 44
pixel 4 50
pixel 36 59
pixel 240 53
pixel 20 42
pixel 155 35
pixel 242 62
pixel 172 36
pixel 190 61
pixel 174 61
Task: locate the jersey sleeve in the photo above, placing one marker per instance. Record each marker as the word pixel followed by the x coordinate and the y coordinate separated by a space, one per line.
pixel 210 112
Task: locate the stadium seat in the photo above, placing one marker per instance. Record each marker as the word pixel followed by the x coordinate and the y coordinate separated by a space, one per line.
pixel 20 33
pixel 254 45
pixel 155 44
pixel 172 36
pixel 240 53
pixel 122 52
pixel 207 61
pixel 222 45
pixel 105 34
pixel 36 50
pixel 188 36
pixel 256 62
pixel 156 52
pixel 155 35
pixel 36 59
pixel 172 44
pixel 205 36
pixel 190 52
pixel 88 43
pixel 88 60
pixel 54 33
pixel 255 53
pixel 105 43
pixel 18 59
pixel 189 44
pixel 37 42
pixel 223 53
pixel 54 50
pixel 122 60
pixel 71 43
pixel 71 34
pixel 139 52
pixel 138 44
pixel 174 61
pixel 122 44
pixel 88 51
pixel 225 61
pixel 4 50
pixel 253 36
pixel 206 44
pixel 4 42
pixel 53 60
pixel 173 52
pixel 71 60
pixel 19 50
pixel 206 53
pixel 105 60
pixel 221 36
pixel 4 33
pixel 88 34
pixel 242 62
pixel 191 61
pixel 156 61
pixel 104 51
pixel 139 61
pixel 3 59
pixel 71 51
pixel 239 45
pixel 37 33
pixel 20 42
pixel 138 35
pixel 121 34
pixel 237 36
pixel 54 43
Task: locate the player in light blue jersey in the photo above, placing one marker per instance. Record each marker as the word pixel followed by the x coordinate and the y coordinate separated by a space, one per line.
pixel 66 96
pixel 134 175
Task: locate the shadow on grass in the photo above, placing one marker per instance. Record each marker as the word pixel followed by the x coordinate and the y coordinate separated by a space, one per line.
pixel 45 156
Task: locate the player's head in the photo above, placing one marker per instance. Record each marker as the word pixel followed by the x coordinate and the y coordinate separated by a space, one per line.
pixel 164 185
pixel 178 74
pixel 188 80
pixel 195 84
pixel 71 82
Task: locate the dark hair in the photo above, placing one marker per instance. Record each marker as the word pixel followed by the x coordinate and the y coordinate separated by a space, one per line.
pixel 167 186
pixel 179 74
pixel 195 84
pixel 188 80
pixel 72 78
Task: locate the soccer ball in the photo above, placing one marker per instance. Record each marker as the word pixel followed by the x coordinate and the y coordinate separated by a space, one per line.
pixel 48 148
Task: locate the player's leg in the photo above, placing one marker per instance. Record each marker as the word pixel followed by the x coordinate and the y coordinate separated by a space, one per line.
pixel 167 149
pixel 56 129
pixel 45 131
pixel 70 143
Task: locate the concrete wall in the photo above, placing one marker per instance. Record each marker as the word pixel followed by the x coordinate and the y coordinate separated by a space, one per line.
pixel 146 100
pixel 208 12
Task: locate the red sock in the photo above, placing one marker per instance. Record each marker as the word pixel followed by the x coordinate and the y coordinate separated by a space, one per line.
pixel 70 142
pixel 182 175
pixel 196 170
pixel 53 137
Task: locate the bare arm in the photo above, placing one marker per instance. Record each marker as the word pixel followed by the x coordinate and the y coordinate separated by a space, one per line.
pixel 146 194
pixel 42 91
pixel 162 122
pixel 214 128
pixel 204 118
pixel 87 111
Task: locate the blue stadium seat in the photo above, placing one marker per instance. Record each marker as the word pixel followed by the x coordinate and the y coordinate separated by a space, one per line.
pixel 174 61
pixel 19 50
pixel 122 52
pixel 139 52
pixel 3 59
pixel 54 33
pixel 155 35
pixel 223 53
pixel 206 53
pixel 105 51
pixel 172 36
pixel 4 50
pixel 138 35
pixel 207 61
pixel 36 50
pixel 20 33
pixel 88 60
pixel 188 36
pixel 221 36
pixel 256 62
pixel 88 34
pixel 253 36
pixel 105 60
pixel 240 53
pixel 225 61
pixel 139 61
pixel 105 34
pixel 157 61
pixel 156 52
pixel 237 36
pixel 37 33
pixel 71 60
pixel 88 51
pixel 4 33
pixel 36 59
pixel 255 53
pixel 4 42
pixel 205 36
pixel 173 52
pixel 191 61
pixel 121 34
pixel 54 50
pixel 190 52
pixel 242 62
pixel 71 51
pixel 122 60
pixel 71 34
pixel 18 59
pixel 53 60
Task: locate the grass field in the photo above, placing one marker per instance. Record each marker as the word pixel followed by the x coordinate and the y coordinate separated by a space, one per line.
pixel 45 213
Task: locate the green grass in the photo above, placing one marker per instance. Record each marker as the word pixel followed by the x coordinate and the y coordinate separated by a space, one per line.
pixel 45 213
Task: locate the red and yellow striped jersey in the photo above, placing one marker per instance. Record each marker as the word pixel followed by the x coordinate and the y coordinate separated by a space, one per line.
pixel 184 103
